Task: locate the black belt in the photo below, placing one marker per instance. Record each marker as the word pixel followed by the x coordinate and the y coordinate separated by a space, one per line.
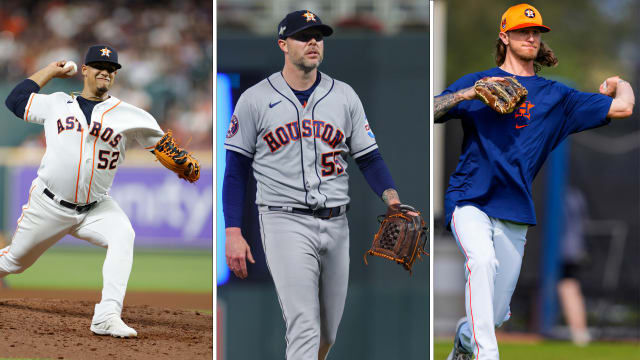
pixel 79 208
pixel 325 213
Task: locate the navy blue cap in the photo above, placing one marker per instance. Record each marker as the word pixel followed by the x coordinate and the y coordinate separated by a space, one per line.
pixel 105 53
pixel 300 20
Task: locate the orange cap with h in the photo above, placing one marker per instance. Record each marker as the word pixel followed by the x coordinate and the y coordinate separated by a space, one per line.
pixel 522 16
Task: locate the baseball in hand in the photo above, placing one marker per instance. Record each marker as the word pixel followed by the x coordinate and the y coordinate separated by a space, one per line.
pixel 604 85
pixel 70 68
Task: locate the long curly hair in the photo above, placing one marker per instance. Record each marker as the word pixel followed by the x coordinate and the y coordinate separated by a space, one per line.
pixel 545 57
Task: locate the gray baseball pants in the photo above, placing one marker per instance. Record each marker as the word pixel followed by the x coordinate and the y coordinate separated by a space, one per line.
pixel 309 262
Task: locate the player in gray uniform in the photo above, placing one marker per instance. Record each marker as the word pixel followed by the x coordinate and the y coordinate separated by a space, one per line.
pixel 296 141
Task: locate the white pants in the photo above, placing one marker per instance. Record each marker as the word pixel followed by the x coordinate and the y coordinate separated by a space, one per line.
pixel 44 222
pixel 493 251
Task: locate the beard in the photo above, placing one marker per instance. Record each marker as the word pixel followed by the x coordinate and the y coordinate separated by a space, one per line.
pixel 306 66
pixel 524 55
pixel 101 90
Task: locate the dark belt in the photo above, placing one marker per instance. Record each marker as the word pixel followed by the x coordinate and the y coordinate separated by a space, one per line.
pixel 79 208
pixel 325 213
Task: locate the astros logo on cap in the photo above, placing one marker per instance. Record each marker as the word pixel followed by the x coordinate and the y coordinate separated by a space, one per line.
pixel 522 16
pixel 105 52
pixel 309 16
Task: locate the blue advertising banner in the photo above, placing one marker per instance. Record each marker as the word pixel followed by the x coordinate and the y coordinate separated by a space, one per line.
pixel 164 210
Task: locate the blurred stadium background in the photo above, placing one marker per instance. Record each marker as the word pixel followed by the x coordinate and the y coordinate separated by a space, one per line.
pixel 381 49
pixel 166 49
pixel 593 40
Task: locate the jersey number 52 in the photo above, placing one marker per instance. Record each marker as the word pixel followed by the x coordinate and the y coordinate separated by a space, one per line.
pixel 108 159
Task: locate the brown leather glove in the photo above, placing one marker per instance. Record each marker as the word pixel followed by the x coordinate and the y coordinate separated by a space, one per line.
pixel 503 95
pixel 402 237
pixel 174 158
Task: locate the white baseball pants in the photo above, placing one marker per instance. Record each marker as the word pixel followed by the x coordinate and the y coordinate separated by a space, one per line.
pixel 493 251
pixel 309 262
pixel 44 222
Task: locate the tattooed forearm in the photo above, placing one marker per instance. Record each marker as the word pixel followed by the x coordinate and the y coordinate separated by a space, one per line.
pixel 390 197
pixel 444 103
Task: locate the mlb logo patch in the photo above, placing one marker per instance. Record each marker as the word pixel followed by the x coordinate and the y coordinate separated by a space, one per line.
pixel 503 25
pixel 367 128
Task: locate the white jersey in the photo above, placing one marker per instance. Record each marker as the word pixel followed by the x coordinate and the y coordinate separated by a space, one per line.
pixel 81 160
pixel 299 152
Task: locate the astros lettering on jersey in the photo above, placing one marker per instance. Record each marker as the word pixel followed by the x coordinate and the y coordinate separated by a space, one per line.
pixel 93 151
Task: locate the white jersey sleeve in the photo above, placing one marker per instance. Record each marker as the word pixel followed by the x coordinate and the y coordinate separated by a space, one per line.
pixel 361 139
pixel 242 133
pixel 149 137
pixel 40 106
pixel 146 130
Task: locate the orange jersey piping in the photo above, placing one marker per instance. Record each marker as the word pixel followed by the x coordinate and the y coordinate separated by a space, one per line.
pixel 79 162
pixel 26 114
pixel 93 161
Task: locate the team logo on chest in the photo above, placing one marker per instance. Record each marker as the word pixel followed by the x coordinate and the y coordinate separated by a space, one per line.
pixel 523 114
pixel 290 132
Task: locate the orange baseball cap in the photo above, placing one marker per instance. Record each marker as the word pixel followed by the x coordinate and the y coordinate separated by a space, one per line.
pixel 522 16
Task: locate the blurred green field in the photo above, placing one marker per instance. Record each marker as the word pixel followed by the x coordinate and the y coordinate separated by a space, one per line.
pixel 69 267
pixel 554 350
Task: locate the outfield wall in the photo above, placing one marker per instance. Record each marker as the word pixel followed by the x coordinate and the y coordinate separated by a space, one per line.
pixel 164 210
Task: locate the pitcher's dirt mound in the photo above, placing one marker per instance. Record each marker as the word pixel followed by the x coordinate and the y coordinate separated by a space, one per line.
pixel 59 329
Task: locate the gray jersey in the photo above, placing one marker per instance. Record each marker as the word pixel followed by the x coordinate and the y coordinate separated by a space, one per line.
pixel 299 152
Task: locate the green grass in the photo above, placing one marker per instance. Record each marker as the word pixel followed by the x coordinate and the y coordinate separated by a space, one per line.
pixel 64 267
pixel 554 350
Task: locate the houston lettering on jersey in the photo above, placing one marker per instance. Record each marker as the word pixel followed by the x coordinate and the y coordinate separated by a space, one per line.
pixel 290 132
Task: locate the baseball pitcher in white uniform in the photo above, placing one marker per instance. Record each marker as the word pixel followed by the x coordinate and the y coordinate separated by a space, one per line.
pixel 295 129
pixel 86 138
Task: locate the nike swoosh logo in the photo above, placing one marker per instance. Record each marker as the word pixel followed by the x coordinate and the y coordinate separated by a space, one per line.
pixel 520 126
pixel 274 104
pixel 69 101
